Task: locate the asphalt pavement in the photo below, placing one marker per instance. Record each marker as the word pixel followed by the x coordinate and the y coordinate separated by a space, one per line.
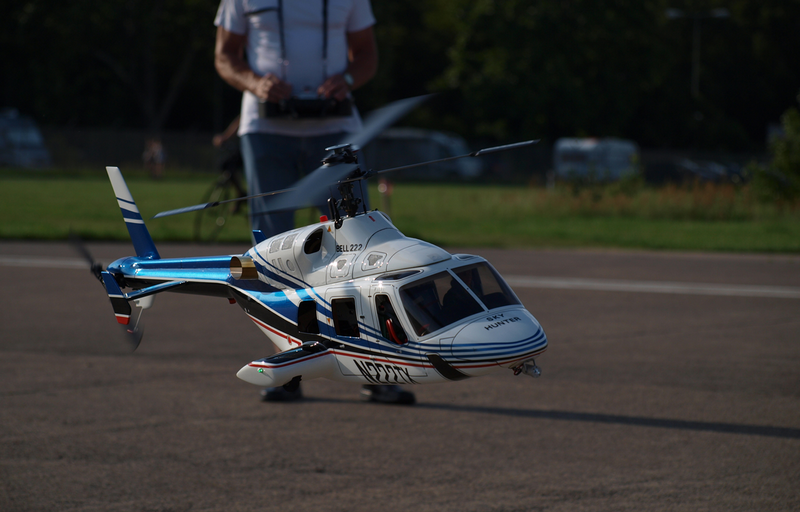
pixel 671 382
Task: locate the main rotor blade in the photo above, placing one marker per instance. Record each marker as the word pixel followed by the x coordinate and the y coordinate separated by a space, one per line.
pixel 380 119
pixel 480 152
pixel 505 147
pixel 203 206
pixel 314 188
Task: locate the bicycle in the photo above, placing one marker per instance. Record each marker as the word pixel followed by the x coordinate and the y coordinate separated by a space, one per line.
pixel 209 222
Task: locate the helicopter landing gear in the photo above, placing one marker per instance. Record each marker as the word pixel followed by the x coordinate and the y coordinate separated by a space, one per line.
pixel 528 368
pixel 289 392
pixel 387 394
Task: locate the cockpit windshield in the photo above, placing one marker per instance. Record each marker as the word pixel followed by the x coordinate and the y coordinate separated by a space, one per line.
pixel 489 287
pixel 439 300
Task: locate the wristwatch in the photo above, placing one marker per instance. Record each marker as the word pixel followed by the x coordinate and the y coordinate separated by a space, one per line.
pixel 348 78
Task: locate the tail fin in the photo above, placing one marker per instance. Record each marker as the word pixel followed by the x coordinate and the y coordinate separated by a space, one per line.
pixel 142 242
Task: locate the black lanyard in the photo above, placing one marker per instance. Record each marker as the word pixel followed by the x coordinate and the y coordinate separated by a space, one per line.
pixel 279 10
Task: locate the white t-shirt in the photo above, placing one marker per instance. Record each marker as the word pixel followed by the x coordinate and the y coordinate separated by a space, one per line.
pixel 302 22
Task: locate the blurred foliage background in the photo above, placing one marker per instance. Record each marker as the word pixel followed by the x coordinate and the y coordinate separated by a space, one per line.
pixel 506 69
pixel 688 85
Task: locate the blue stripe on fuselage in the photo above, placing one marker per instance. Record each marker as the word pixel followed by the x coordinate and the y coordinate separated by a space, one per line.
pixel 495 350
pixel 267 269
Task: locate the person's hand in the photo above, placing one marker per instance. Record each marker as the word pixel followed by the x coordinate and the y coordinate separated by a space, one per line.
pixel 334 87
pixel 217 140
pixel 272 88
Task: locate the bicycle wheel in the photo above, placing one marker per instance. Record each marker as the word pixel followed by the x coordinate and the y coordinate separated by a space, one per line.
pixel 209 222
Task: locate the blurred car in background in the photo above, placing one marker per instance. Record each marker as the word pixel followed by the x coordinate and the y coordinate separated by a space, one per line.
pixel 21 143
pixel 705 170
pixel 396 147
pixel 606 159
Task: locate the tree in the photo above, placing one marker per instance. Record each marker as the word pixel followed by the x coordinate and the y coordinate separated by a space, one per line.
pixel 578 67
pixel 780 179
pixel 506 69
pixel 552 68
pixel 84 62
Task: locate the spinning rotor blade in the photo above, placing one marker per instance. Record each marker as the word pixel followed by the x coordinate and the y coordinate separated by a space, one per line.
pixel 131 335
pixel 313 189
pixel 203 206
pixel 480 152
pixel 95 267
pixel 380 119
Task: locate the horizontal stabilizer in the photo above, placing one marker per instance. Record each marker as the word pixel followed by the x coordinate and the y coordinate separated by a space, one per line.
pixel 152 290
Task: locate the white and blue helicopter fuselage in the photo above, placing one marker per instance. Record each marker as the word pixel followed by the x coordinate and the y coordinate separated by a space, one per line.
pixel 350 300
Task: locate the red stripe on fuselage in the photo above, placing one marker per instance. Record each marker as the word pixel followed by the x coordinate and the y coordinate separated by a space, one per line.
pixel 302 360
pixel 274 331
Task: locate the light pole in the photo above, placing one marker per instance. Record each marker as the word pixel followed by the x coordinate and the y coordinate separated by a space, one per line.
pixel 674 14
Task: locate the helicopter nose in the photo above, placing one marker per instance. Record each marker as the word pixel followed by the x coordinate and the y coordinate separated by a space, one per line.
pixel 500 338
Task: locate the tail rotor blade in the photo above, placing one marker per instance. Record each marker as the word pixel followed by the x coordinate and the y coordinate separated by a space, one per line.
pixel 133 334
pixel 95 267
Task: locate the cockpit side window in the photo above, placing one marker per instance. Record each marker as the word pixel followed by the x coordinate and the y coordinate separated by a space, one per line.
pixel 389 323
pixel 344 316
pixel 484 282
pixel 437 301
pixel 313 242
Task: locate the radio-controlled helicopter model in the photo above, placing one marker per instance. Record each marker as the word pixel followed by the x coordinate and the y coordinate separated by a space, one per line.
pixel 350 298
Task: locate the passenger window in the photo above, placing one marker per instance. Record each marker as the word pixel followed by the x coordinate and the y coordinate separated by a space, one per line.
pixel 345 319
pixel 307 317
pixel 389 323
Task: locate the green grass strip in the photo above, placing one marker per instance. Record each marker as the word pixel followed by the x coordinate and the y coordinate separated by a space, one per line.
pixel 47 206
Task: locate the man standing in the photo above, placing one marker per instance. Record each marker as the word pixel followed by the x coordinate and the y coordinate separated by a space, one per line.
pixel 286 56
